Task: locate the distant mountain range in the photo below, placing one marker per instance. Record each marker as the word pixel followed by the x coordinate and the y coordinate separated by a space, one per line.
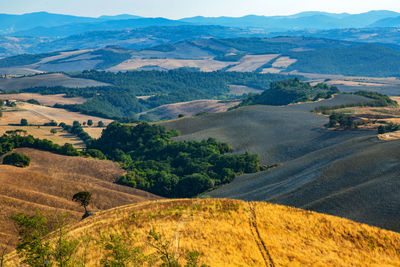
pixel 305 20
pixel 43 24
pixel 43 32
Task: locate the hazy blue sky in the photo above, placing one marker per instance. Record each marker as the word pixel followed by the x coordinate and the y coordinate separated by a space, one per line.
pixel 186 8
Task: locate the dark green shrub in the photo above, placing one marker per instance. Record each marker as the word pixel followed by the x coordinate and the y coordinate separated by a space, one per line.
pixel 17 159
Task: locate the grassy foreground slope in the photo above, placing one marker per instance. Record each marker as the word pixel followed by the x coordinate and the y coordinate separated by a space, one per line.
pixel 49 183
pixel 238 233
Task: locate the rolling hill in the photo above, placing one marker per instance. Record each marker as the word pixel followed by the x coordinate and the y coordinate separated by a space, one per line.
pixel 235 233
pixel 255 54
pixel 344 173
pixel 50 181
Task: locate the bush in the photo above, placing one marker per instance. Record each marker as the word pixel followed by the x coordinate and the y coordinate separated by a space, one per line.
pixel 17 159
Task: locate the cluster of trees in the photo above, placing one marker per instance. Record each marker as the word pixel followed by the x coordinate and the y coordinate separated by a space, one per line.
pixel 391 127
pixel 381 100
pixel 158 164
pixel 343 120
pixel 77 130
pixel 290 91
pixel 17 159
pixel 119 101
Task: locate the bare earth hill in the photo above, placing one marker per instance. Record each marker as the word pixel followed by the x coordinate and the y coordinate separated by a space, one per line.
pixel 238 233
pixel 49 183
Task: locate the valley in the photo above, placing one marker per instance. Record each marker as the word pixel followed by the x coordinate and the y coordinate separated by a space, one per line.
pixel 200 141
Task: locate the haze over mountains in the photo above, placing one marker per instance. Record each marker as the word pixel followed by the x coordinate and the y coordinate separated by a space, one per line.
pixel 43 32
pixel 39 23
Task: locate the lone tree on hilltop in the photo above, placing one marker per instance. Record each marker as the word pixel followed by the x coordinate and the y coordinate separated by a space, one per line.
pixel 83 198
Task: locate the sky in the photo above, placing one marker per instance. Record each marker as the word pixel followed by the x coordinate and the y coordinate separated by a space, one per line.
pixel 175 9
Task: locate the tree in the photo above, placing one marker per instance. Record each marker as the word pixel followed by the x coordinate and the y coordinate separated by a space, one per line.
pixel 119 251
pixel 1 102
pixel 163 248
pixel 17 159
pixel 24 122
pixel 89 122
pixel 83 198
pixel 53 131
pixel 36 249
pixel 100 124
pixel 33 249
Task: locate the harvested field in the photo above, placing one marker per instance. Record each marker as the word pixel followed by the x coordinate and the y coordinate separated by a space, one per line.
pixel 191 108
pixel 237 233
pixel 241 90
pixel 38 115
pixel 61 137
pixel 276 134
pixel 271 70
pixel 356 179
pixel 49 183
pixel 46 100
pixel 47 80
pixel 283 62
pixel 252 62
pixel 169 64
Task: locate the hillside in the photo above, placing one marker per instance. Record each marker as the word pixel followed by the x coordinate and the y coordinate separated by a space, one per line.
pixel 49 183
pixel 354 179
pixel 344 173
pixel 276 134
pixel 237 233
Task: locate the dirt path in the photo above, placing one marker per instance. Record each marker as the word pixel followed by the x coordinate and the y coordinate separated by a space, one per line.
pixel 257 237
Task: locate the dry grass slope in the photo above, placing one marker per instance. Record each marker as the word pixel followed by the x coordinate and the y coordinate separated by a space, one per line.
pixel 49 183
pixel 238 233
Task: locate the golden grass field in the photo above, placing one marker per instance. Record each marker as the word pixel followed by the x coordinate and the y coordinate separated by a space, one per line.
pixel 238 233
pixel 49 183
